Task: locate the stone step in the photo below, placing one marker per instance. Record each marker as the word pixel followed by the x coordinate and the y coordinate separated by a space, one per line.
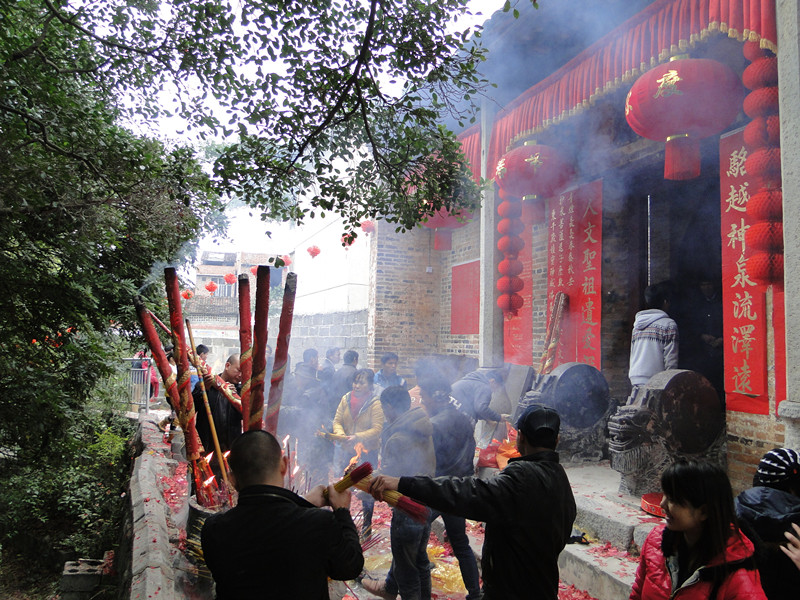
pixel 615 524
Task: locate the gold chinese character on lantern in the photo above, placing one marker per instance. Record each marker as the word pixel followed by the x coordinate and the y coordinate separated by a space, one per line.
pixel 535 161
pixel 668 84
pixel 501 167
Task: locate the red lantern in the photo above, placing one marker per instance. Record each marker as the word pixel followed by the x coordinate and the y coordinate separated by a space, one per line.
pixel 254 270
pixel 510 266
pixel 230 278
pixel 763 72
pixel 510 245
pixel 766 205
pixel 753 51
pixel 187 294
pixel 532 170
pixel 765 236
pixel 443 222
pixel 313 251
pixel 510 285
pixel 367 226
pixel 347 241
pixel 763 131
pixel 509 209
pixel 682 102
pixel 287 260
pixel 761 103
pixel 510 227
pixel 766 268
pixel 510 303
pixel 211 287
pixel 765 165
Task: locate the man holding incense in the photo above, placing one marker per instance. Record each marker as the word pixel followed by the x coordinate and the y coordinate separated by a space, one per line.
pixel 528 509
pixel 274 543
pixel 406 449
pixel 227 417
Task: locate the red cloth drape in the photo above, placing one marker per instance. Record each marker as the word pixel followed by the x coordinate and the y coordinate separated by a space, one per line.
pixel 471 147
pixel 648 38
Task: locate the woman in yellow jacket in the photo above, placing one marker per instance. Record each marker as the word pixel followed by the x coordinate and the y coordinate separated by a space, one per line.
pixel 359 417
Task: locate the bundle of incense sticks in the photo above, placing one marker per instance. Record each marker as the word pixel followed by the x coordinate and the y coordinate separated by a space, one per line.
pixel 353 477
pixel 415 510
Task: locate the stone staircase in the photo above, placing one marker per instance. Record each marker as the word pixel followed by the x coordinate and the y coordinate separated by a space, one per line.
pixel 616 526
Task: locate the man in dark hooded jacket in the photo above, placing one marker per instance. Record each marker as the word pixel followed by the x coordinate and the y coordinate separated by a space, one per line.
pixel 528 509
pixel 473 393
pixel 406 449
pixel 765 512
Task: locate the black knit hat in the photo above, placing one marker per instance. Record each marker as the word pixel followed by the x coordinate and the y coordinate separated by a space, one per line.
pixel 779 469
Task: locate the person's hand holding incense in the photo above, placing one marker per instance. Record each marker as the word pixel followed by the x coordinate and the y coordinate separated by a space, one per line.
pixel 792 549
pixel 381 484
pixel 338 499
pixel 317 496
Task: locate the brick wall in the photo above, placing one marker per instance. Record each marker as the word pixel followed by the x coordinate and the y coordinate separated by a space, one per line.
pixel 405 300
pixel 345 330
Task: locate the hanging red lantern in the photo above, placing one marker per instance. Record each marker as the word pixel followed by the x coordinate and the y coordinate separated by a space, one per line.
pixel 510 285
pixel 765 236
pixel 443 223
pixel 211 287
pixel 347 241
pixel 367 226
pixel 682 102
pixel 509 209
pixel 761 102
pixel 765 165
pixel 287 260
pixel 766 268
pixel 510 245
pixel 532 170
pixel 230 278
pixel 766 205
pixel 510 266
pixel 187 294
pixel 254 270
pixel 762 72
pixel 510 227
pixel 763 131
pixel 313 251
pixel 510 303
pixel 753 51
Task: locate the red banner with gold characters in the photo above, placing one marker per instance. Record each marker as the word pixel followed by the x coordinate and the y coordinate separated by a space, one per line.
pixel 744 303
pixel 574 260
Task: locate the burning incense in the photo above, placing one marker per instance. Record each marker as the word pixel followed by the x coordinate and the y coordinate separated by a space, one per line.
pixel 254 417
pixel 193 446
pixel 246 342
pixel 560 306
pixel 164 328
pixel 281 352
pixel 415 510
pixel 352 478
pixel 211 425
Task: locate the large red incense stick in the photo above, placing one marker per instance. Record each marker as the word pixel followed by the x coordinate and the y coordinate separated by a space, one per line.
pixel 186 413
pixel 245 341
pixel 193 446
pixel 281 352
pixel 164 328
pixel 259 348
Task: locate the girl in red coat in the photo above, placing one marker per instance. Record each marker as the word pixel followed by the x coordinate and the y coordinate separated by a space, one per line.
pixel 700 553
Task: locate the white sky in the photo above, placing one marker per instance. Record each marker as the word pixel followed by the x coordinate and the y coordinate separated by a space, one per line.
pixel 247 233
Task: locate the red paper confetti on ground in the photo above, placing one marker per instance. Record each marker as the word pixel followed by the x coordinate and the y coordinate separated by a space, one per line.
pixel 570 592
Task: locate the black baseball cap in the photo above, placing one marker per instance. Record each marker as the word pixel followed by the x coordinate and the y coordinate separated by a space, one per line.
pixel 538 417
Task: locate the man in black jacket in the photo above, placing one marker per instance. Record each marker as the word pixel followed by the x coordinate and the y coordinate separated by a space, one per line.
pixel 528 509
pixel 275 544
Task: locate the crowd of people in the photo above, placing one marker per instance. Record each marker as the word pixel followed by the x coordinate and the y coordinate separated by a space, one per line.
pixel 711 544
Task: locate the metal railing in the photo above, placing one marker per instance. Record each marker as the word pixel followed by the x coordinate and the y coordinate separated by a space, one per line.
pixel 137 377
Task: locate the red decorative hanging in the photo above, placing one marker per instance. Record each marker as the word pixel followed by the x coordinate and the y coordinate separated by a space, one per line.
pixel 763 131
pixel 766 267
pixel 532 170
pixel 766 205
pixel 682 102
pixel 367 226
pixel 347 241
pixel 230 278
pixel 313 251
pixel 254 270
pixel 287 260
pixel 765 236
pixel 509 209
pixel 443 223
pixel 187 294
pixel 761 73
pixel 211 287
pixel 761 103
pixel 510 266
pixel 510 304
pixel 510 245
pixel 510 227
pixel 765 165
pixel 510 285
